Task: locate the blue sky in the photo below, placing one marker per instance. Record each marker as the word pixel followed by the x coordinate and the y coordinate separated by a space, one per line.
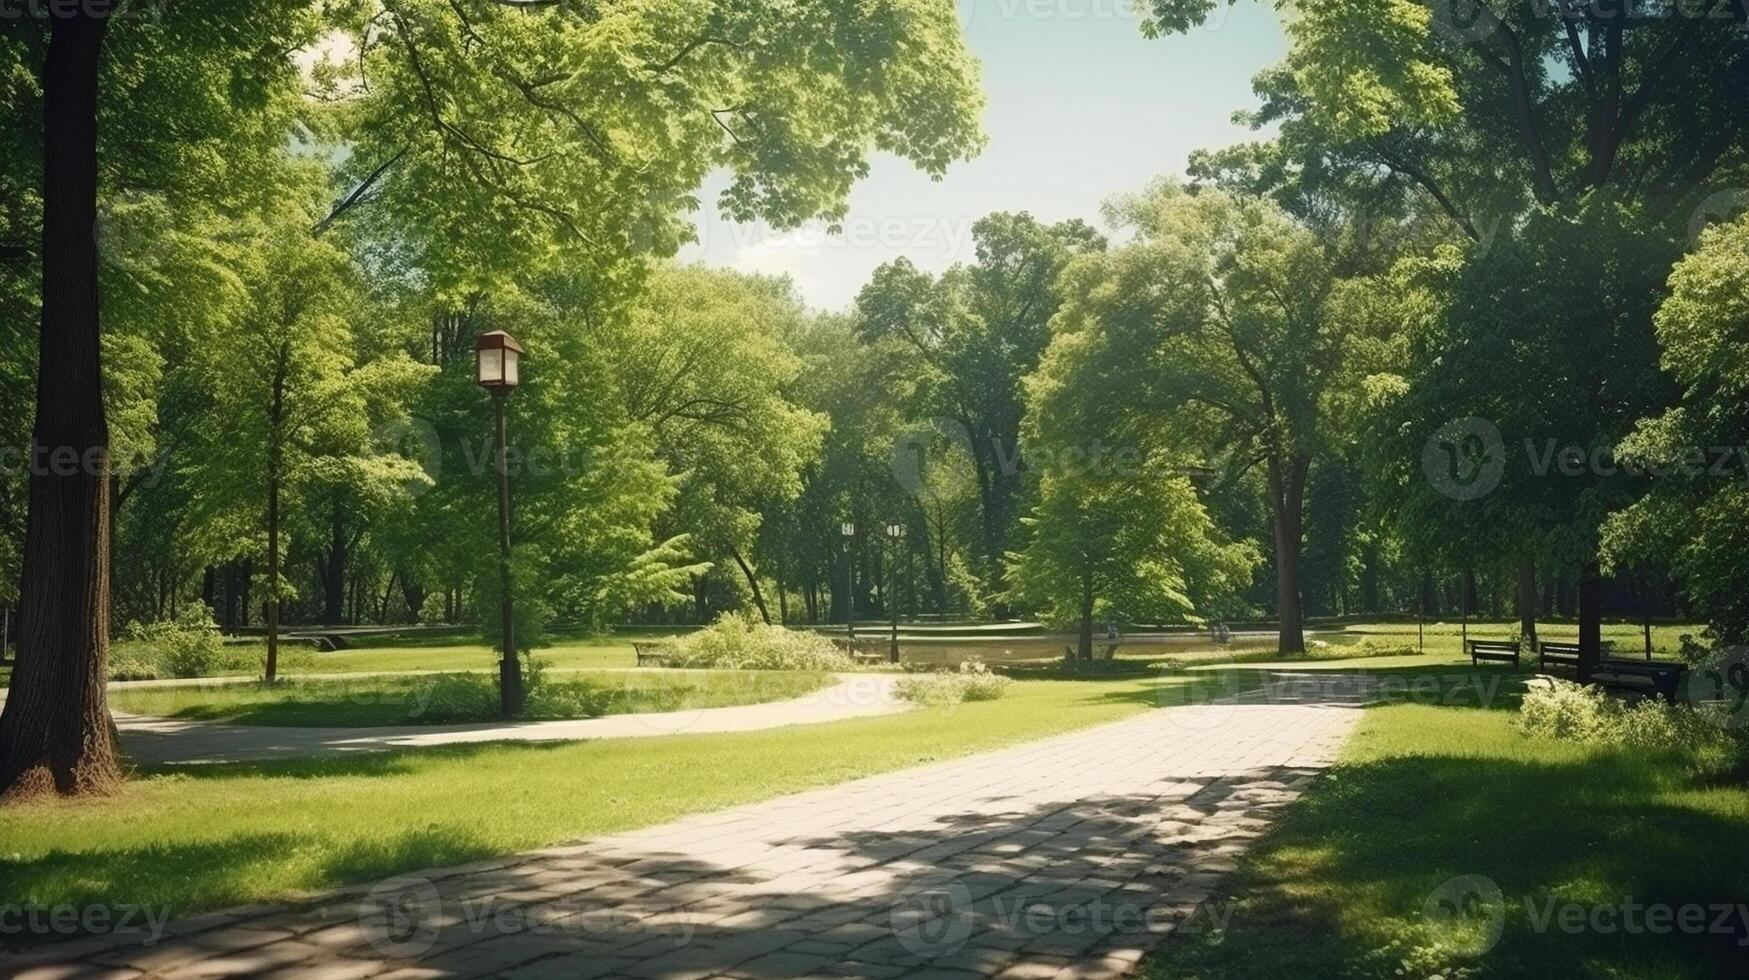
pixel 1079 106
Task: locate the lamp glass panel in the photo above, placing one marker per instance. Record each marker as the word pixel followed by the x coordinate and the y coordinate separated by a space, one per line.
pixel 491 366
pixel 512 368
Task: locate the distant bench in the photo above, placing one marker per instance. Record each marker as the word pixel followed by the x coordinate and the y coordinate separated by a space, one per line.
pixel 1497 651
pixel 652 654
pixel 1555 653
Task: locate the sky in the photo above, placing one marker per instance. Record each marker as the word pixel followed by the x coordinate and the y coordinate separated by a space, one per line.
pixel 1078 107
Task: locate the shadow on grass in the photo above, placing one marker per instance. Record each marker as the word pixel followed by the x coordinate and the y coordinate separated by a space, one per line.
pixel 1343 885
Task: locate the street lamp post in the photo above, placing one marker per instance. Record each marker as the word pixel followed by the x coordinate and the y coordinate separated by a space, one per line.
pixel 848 530
pixel 895 534
pixel 497 368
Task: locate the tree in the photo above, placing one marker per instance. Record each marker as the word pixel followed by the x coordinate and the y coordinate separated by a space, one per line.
pixel 706 364
pixel 1551 108
pixel 1211 331
pixel 977 331
pixel 472 112
pixel 1699 503
pixel 286 383
pixel 1135 546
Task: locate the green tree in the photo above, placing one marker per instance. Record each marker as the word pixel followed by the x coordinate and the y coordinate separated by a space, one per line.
pixel 1129 546
pixel 1699 503
pixel 1211 330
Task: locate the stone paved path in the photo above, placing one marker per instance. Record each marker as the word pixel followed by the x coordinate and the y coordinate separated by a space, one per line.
pixel 159 741
pixel 1067 857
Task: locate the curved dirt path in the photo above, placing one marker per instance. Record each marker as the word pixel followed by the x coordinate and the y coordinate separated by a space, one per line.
pixel 166 741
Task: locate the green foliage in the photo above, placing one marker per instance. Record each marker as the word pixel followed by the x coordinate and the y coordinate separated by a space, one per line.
pixel 187 646
pixel 971 681
pixel 735 642
pixel 1554 708
pixel 1699 500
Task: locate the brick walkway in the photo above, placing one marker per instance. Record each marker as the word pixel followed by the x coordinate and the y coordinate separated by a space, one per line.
pixel 1068 857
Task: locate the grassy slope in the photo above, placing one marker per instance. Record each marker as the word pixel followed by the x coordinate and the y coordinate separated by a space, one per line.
pixel 413 700
pixel 1427 793
pixel 225 834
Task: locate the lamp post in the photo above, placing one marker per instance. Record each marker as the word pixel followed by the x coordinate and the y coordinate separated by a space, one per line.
pixel 848 531
pixel 895 535
pixel 497 368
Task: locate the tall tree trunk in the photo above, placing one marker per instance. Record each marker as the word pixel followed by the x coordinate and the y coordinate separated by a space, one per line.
pixel 1084 643
pixel 334 569
pixel 1590 619
pixel 1287 485
pixel 56 735
pixel 1527 600
pixel 271 669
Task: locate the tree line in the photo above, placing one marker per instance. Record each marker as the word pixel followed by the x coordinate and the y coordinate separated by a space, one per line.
pixel 1446 337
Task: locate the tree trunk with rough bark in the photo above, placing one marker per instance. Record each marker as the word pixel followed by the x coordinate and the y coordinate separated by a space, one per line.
pixel 1527 596
pixel 56 736
pixel 1287 485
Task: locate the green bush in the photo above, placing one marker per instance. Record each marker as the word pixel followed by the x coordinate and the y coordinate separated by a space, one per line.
pixel 1554 708
pixel 454 698
pixel 187 646
pixel 973 681
pixel 734 642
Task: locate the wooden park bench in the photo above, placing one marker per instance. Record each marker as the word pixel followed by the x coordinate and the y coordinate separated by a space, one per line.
pixel 1499 651
pixel 1550 653
pixel 1558 653
pixel 651 654
pixel 1642 677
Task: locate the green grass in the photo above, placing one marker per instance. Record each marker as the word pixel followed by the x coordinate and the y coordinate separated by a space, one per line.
pixel 1426 793
pixel 219 835
pixel 448 698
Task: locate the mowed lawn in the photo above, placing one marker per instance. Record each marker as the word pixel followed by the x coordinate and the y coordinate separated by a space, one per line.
pixel 1427 793
pixel 450 698
pixel 219 835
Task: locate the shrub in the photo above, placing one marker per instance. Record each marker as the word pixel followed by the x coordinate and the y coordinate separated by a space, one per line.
pixel 454 697
pixel 187 646
pixel 1561 709
pixel 973 681
pixel 734 642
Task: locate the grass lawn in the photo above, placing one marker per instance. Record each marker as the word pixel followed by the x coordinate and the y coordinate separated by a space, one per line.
pixel 219 835
pixel 448 698
pixel 1428 793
